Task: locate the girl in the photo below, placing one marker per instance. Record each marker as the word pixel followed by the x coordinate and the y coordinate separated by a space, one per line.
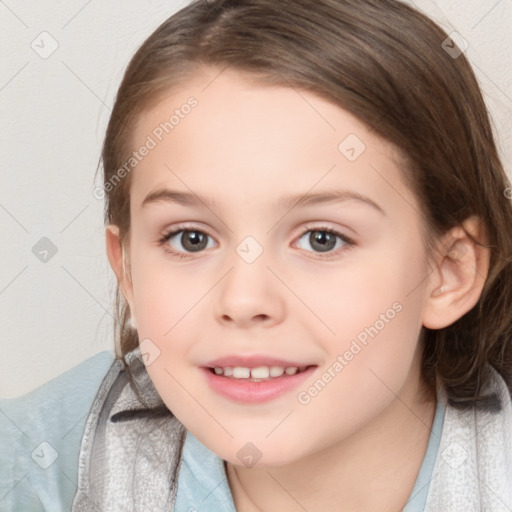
pixel 309 225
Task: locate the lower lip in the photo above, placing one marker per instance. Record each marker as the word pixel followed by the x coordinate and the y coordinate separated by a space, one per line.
pixel 245 391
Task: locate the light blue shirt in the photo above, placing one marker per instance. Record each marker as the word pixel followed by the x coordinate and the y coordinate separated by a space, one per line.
pixel 41 432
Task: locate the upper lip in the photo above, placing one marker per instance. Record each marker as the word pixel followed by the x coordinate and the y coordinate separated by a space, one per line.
pixel 252 361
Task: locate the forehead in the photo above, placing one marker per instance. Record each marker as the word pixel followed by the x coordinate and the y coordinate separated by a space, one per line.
pixel 226 129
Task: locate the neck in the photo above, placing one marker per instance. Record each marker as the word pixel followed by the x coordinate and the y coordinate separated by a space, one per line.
pixel 373 469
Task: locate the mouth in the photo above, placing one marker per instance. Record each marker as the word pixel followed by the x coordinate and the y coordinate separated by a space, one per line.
pixel 252 385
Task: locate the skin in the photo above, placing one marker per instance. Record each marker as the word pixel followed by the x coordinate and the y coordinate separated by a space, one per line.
pixel 359 443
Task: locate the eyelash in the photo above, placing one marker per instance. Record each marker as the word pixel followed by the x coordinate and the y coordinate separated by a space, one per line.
pixel 349 243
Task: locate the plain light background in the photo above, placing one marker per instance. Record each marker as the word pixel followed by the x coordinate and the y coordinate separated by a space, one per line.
pixel 54 314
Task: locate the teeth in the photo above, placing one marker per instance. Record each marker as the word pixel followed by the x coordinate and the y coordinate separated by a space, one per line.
pixel 259 372
pixel 239 372
pixel 276 371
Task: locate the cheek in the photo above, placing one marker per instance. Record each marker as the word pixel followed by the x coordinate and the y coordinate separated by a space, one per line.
pixel 373 309
pixel 164 297
pixel 355 297
pixel 167 304
pixel 360 379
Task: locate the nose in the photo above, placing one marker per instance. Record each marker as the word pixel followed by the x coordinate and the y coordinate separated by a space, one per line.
pixel 249 295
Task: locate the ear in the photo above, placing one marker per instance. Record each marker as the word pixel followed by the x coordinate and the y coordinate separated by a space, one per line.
pixel 460 272
pixel 117 256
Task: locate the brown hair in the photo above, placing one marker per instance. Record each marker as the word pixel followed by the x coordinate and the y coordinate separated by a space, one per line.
pixel 385 63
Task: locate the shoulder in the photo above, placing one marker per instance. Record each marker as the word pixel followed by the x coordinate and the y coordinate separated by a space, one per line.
pixel 474 462
pixel 40 437
pixel 54 404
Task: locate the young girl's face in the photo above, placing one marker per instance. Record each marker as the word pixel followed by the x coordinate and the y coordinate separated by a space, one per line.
pixel 257 275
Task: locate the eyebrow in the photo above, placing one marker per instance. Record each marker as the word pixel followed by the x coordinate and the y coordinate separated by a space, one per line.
pixel 287 201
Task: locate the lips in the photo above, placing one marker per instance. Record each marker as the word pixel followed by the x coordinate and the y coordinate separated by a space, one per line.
pixel 243 388
pixel 246 392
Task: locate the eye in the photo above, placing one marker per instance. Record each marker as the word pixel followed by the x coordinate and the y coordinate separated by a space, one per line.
pixel 323 239
pixel 191 240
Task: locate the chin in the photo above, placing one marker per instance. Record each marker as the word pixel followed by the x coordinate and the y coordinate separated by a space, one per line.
pixel 254 455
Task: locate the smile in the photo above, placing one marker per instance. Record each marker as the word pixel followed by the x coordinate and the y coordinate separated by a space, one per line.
pixel 255 385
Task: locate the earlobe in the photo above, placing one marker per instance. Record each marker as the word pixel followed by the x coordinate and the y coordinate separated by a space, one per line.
pixel 117 258
pixel 456 284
